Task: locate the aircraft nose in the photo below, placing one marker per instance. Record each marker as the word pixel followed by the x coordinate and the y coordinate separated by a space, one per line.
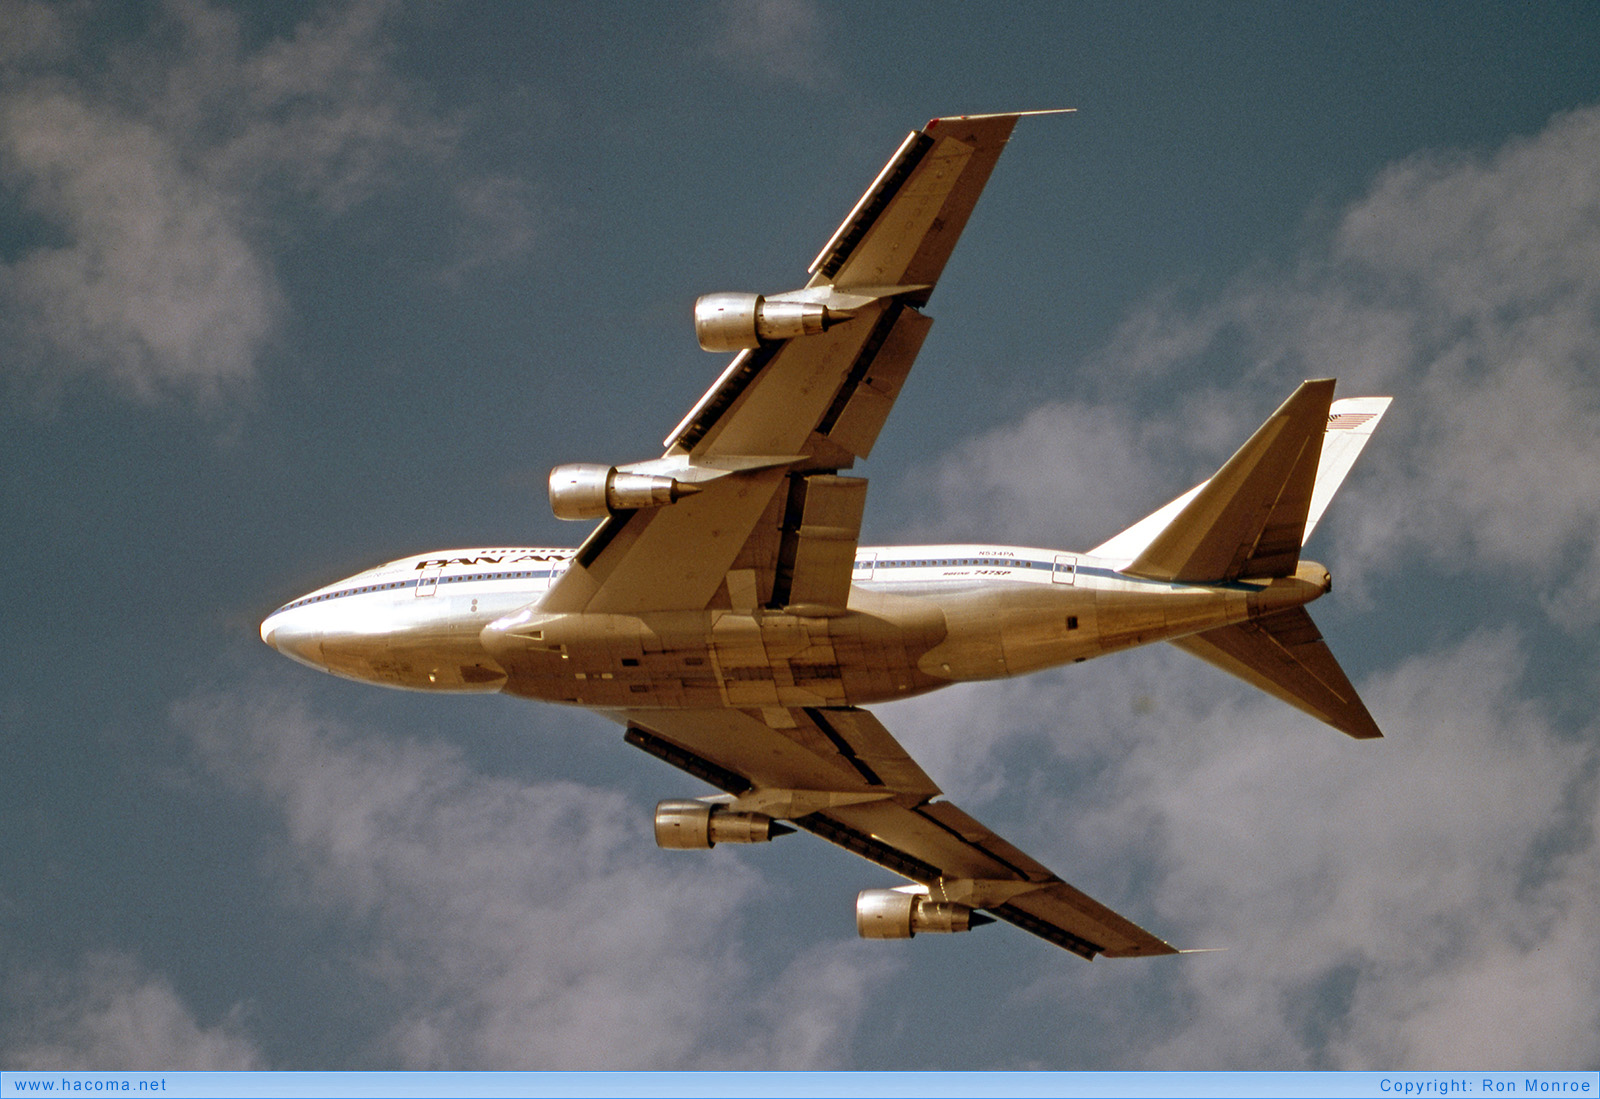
pixel 291 635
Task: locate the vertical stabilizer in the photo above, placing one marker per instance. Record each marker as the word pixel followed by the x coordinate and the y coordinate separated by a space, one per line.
pixel 1250 519
pixel 1351 422
pixel 1248 523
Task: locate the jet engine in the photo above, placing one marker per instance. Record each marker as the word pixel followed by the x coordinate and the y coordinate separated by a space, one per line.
pixel 699 825
pixel 737 322
pixel 582 490
pixel 899 914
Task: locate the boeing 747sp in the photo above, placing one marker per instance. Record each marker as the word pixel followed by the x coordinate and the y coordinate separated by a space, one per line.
pixel 722 611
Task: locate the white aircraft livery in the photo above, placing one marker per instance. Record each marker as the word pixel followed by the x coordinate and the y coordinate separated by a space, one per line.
pixel 724 613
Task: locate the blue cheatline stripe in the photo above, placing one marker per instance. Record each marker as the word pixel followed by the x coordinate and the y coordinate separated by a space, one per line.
pixel 400 585
pixel 1007 563
pixel 546 574
pixel 1014 563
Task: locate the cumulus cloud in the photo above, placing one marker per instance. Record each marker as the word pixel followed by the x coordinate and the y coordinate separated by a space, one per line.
pixel 152 183
pixel 1468 286
pixel 1376 897
pixel 158 287
pixel 36 32
pixel 1049 478
pixel 500 223
pixel 510 925
pixel 1423 901
pixel 109 1013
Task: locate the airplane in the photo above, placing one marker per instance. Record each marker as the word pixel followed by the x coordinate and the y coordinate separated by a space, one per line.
pixel 722 611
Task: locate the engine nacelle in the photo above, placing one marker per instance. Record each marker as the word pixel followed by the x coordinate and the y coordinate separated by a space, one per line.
pixel 895 914
pixel 737 322
pixel 700 825
pixel 582 490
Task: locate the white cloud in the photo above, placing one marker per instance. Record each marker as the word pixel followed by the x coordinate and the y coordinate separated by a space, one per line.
pixel 325 111
pixel 1424 901
pixel 1466 287
pixel 36 32
pixel 500 224
pixel 1377 897
pixel 1053 478
pixel 808 1016
pixel 1469 288
pixel 109 1014
pixel 511 925
pixel 155 182
pixel 158 287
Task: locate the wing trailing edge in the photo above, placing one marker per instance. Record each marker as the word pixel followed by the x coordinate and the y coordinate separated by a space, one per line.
pixel 787 415
pixel 837 773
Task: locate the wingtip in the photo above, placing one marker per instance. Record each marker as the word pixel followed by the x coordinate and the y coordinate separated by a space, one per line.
pixel 995 114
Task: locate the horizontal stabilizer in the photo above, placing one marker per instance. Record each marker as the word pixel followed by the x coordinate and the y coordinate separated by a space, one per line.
pixel 1249 520
pixel 1284 655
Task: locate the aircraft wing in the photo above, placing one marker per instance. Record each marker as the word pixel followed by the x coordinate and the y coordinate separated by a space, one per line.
pixel 839 774
pixel 771 523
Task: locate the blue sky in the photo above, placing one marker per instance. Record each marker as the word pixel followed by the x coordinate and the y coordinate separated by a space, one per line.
pixel 289 290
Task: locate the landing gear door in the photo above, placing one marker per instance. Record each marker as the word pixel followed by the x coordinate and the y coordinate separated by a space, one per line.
pixel 1066 569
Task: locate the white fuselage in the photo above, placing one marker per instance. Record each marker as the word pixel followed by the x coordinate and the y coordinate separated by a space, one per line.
pixel 919 618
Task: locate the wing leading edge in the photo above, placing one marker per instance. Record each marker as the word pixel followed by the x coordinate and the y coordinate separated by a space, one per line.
pixel 839 774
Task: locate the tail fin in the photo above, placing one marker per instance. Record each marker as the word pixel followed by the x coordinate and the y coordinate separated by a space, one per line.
pixel 1251 519
pixel 1249 522
pixel 1351 422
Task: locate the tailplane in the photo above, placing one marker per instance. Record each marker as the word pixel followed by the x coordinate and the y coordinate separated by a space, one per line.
pixel 1284 655
pixel 1249 522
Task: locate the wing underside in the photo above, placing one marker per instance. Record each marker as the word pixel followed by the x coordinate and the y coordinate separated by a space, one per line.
pixel 839 774
pixel 765 444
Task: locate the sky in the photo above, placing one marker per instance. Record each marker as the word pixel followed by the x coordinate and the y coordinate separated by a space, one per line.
pixel 290 290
